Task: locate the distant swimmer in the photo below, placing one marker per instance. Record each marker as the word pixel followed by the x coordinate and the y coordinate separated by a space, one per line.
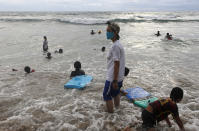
pixel 103 49
pixel 168 36
pixel 45 44
pixel 14 69
pixel 92 32
pixel 99 32
pixel 59 51
pixel 49 55
pixel 78 71
pixel 158 33
pixel 28 70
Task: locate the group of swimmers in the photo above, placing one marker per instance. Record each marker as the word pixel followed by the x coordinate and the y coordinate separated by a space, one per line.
pixel 168 36
pixel 45 48
pixel 92 32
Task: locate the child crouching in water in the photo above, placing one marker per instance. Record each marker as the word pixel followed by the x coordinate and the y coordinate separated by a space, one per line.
pixel 160 109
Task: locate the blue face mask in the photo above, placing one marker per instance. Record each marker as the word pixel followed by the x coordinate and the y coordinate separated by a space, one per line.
pixel 109 35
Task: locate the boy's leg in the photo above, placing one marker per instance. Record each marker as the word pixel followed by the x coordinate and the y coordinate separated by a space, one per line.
pixel 117 100
pixel 109 105
pixel 116 94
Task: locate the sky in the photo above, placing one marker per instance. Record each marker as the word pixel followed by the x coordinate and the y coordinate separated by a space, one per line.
pixel 99 5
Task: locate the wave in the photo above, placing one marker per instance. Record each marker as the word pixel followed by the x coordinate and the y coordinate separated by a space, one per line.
pixel 152 20
pixel 21 20
pixel 96 21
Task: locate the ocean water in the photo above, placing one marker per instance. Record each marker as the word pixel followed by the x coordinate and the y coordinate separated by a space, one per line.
pixel 39 102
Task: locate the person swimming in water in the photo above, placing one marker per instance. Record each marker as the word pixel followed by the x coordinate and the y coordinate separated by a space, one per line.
pixel 59 51
pixel 49 55
pixel 92 32
pixel 158 33
pixel 28 70
pixel 45 44
pixel 168 36
pixel 78 71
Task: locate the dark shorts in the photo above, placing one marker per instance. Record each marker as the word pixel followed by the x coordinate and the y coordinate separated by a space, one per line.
pixel 109 92
pixel 148 119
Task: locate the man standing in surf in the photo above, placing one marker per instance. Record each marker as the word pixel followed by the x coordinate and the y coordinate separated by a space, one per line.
pixel 115 68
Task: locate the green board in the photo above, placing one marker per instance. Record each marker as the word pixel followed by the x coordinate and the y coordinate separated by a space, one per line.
pixel 144 103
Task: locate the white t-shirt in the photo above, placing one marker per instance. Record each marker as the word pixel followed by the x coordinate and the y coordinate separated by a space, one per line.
pixel 116 53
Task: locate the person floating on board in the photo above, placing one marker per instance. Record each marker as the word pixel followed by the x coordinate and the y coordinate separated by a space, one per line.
pixel 78 71
pixel 48 55
pixel 45 44
pixel 161 108
pixel 115 68
pixel 92 32
pixel 168 36
pixel 28 70
pixel 158 33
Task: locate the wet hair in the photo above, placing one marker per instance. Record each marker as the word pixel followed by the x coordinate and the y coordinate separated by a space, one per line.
pixel 176 93
pixel 45 37
pixel 167 33
pixel 77 65
pixel 60 51
pixel 27 69
pixel 126 72
pixel 115 28
pixel 48 54
pixel 103 49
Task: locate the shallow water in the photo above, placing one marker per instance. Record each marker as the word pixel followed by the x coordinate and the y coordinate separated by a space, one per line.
pixel 39 102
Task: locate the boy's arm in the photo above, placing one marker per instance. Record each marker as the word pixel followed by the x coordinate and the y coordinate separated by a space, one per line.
pixel 116 72
pixel 168 121
pixel 179 122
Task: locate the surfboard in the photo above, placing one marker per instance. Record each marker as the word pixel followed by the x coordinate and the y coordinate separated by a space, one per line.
pixel 78 82
pixel 144 103
pixel 136 93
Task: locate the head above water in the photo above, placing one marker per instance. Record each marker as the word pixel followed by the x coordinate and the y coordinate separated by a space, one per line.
pixel 49 55
pixel 77 65
pixel 103 49
pixel 45 38
pixel 60 50
pixel 27 69
pixel 167 34
pixel 176 94
pixel 113 30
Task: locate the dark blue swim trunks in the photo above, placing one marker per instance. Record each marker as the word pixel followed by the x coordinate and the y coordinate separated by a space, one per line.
pixel 109 92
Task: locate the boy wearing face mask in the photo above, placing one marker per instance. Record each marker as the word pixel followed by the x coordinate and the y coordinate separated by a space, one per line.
pixel 115 68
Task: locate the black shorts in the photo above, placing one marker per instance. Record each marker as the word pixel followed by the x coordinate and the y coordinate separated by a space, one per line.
pixel 148 119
